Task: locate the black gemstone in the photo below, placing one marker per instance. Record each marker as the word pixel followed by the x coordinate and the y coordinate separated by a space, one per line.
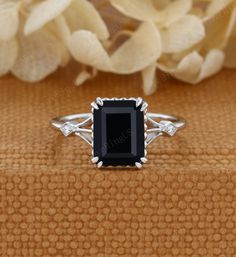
pixel 119 133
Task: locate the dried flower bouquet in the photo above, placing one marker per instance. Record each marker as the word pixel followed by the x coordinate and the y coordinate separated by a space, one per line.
pixel 187 39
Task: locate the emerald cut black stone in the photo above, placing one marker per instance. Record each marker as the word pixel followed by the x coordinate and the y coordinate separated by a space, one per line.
pixel 119 133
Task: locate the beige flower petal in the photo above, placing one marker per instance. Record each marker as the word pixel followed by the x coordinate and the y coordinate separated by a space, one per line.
pixel 44 12
pixel 149 79
pixel 185 33
pixel 142 10
pixel 86 48
pixel 215 6
pixel 174 11
pixel 9 19
pixel 8 55
pixel 193 68
pixel 62 29
pixel 146 10
pixel 83 15
pixel 197 11
pixel 213 63
pixel 142 49
pixel 230 53
pixel 187 69
pixel 39 55
pixel 83 77
pixel 134 55
pixel 65 54
pixel 161 4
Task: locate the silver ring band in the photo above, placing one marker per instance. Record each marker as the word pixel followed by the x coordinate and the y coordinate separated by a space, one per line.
pixel 163 124
pixel 75 123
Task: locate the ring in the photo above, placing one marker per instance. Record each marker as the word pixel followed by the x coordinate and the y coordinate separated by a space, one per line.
pixel 119 130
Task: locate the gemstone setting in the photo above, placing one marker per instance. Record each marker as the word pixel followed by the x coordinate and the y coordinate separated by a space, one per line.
pixel 118 132
pixel 168 127
pixel 68 128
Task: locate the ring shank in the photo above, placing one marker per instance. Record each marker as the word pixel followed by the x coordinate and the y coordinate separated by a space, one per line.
pixel 59 121
pixel 177 121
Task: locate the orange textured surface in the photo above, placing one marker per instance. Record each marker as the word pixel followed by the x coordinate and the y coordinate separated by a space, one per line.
pixel 55 203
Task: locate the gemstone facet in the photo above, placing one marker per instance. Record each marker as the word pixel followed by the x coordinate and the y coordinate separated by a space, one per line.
pixel 119 133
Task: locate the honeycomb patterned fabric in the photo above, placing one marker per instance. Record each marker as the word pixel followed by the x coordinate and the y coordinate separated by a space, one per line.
pixel 53 202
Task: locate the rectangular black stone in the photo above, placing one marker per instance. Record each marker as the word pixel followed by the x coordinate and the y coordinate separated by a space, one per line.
pixel 119 133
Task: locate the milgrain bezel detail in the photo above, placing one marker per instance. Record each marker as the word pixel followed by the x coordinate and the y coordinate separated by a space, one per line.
pixel 139 101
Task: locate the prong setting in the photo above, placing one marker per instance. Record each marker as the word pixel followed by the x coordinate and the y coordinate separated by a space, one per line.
pixel 138 165
pixel 139 101
pixel 144 159
pixel 99 165
pixel 94 105
pixel 99 101
pixel 144 106
pixel 95 159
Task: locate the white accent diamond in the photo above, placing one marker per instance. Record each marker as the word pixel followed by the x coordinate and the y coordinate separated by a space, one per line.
pixel 68 128
pixel 168 127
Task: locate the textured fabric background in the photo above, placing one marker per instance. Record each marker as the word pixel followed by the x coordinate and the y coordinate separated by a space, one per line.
pixel 53 202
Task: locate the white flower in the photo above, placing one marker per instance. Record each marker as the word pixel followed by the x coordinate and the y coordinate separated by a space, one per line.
pixel 195 35
pixel 189 39
pixel 32 44
pixel 84 33
pixel 208 57
pixel 9 19
pixel 132 56
pixel 179 29
pixel 79 14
